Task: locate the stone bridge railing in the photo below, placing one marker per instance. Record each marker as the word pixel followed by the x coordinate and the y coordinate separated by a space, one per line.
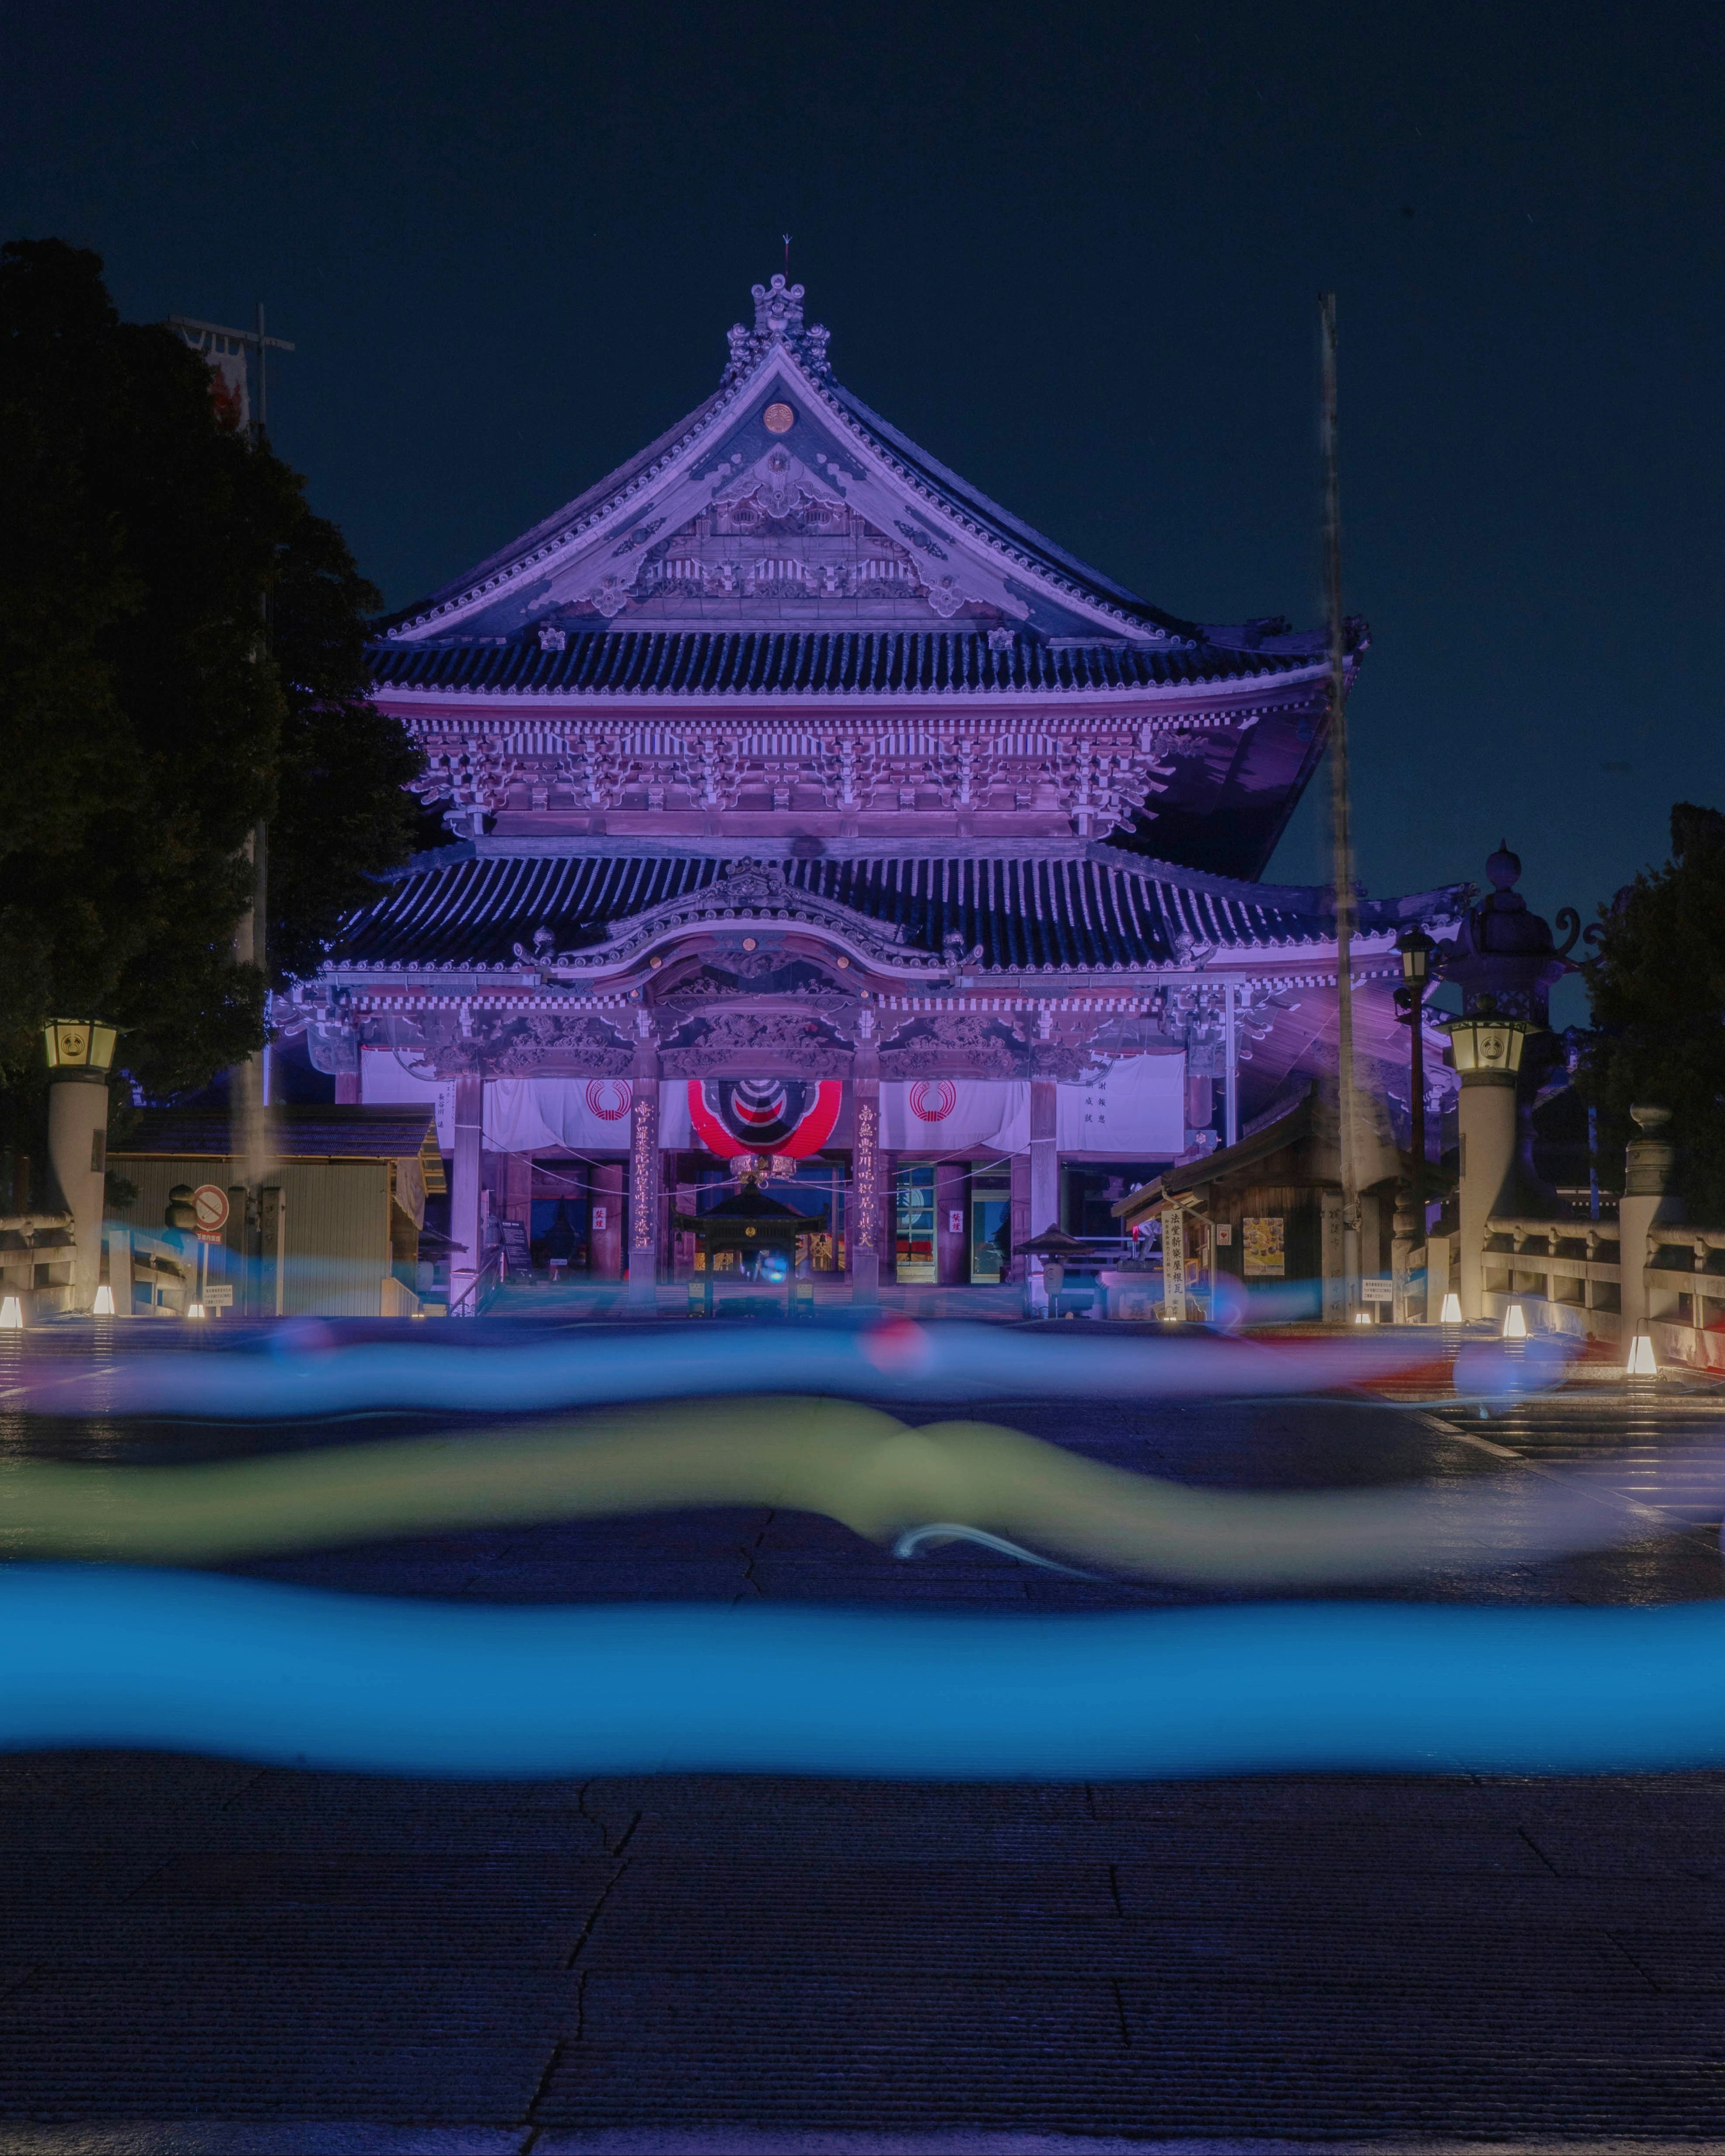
pixel 1647 1274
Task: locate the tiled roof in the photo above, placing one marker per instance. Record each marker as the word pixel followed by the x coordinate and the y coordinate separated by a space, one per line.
pixel 1075 911
pixel 297 1133
pixel 709 662
pixel 929 473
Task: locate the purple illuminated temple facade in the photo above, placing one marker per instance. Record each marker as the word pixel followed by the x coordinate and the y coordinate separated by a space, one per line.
pixel 813 812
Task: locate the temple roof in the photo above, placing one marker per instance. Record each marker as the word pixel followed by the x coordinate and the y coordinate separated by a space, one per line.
pixel 705 662
pixel 1086 907
pixel 785 503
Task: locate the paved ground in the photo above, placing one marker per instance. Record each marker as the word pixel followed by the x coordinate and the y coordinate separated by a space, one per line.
pixel 283 1961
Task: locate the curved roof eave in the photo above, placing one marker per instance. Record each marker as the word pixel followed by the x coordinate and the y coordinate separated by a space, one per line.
pixel 596 497
pixel 1013 530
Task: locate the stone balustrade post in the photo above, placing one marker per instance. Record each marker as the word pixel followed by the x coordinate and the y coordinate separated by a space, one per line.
pixel 1646 1201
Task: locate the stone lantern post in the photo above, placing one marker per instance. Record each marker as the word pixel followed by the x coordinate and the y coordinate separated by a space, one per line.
pixel 1488 1048
pixel 1505 963
pixel 79 1055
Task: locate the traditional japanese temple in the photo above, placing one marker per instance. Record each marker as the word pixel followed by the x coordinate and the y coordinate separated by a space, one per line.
pixel 813 810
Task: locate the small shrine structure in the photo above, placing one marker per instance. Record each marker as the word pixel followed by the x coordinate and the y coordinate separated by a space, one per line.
pixel 812 811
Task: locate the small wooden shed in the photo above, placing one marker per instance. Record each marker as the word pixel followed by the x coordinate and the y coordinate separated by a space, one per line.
pixel 1267 1211
pixel 334 1233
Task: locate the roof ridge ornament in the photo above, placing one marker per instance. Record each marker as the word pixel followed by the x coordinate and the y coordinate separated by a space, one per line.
pixel 778 320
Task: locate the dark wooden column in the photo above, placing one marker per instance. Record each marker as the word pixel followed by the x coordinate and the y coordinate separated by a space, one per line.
pixel 862 1227
pixel 464 1189
pixel 646 1172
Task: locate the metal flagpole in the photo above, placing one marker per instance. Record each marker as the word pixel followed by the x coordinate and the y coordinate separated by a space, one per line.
pixel 1340 833
pixel 248 1082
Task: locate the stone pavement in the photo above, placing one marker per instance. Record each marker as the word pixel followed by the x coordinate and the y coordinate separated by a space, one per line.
pixel 201 1956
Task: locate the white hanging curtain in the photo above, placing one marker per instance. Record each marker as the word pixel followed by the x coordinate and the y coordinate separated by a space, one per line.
pixel 955 1116
pixel 1135 1111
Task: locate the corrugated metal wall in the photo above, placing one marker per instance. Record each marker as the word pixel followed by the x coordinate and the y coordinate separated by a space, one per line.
pixel 338 1226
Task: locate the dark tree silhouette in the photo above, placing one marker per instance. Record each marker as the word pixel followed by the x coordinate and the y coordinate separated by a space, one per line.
pixel 180 653
pixel 1657 987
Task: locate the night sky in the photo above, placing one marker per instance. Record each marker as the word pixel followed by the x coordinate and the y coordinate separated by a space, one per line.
pixel 1073 251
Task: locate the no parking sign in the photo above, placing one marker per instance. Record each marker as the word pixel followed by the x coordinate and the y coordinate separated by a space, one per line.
pixel 210 1202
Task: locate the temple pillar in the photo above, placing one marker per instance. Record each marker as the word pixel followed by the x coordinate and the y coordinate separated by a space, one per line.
pixel 604 1233
pixel 862 1229
pixel 1020 1214
pixel 465 1193
pixel 515 1189
pixel 1045 1155
pixel 670 1202
pixel 1044 1174
pixel 348 1092
pixel 688 1195
pixel 952 1267
pixel 645 1172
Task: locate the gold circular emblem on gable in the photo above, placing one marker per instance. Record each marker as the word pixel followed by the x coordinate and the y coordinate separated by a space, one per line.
pixel 778 418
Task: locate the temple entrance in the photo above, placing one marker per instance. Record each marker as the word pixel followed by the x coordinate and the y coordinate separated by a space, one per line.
pixel 916 1226
pixel 990 1231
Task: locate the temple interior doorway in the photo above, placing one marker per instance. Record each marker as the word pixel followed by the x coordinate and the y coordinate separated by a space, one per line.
pixel 1088 1194
pixel 914 1241
pixel 605 1231
pixel 990 1230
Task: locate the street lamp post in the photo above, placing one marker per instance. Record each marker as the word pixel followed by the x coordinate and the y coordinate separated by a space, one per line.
pixel 1416 948
pixel 80 1053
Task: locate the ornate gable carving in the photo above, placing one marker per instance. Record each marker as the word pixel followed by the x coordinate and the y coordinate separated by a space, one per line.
pixel 956 1040
pixel 781 530
pixel 791 1041
pixel 493 1045
pixel 778 320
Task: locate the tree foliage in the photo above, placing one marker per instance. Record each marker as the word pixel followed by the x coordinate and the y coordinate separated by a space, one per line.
pixel 1657 989
pixel 181 654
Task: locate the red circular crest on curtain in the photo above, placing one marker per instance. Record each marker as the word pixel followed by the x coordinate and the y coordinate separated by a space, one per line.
pixel 933 1099
pixel 609 1099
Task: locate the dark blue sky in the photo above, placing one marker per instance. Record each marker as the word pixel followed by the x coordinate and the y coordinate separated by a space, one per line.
pixel 1074 251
